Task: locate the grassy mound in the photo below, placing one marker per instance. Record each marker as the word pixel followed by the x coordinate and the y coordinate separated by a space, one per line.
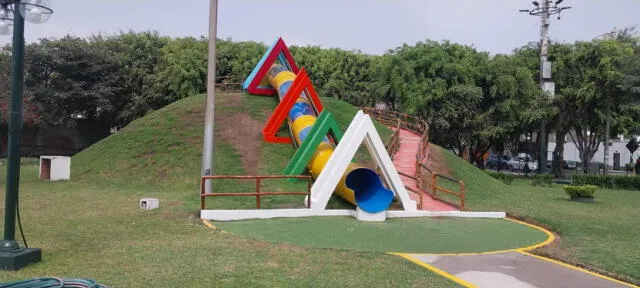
pixel 164 148
pixel 600 235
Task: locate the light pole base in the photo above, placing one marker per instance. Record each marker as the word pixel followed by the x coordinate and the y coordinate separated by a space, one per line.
pixel 18 259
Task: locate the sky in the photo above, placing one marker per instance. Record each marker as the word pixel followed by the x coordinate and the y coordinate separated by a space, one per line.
pixel 371 26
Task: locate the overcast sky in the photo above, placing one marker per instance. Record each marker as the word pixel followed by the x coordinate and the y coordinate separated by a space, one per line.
pixel 372 26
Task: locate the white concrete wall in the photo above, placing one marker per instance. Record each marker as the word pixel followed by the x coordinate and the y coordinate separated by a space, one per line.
pixel 571 152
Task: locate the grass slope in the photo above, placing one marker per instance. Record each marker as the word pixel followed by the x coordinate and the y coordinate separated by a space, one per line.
pixel 603 235
pixel 91 226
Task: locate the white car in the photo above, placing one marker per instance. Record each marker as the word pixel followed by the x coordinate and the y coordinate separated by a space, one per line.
pixel 518 163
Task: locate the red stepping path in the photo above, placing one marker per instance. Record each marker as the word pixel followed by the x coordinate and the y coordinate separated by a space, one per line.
pixel 405 162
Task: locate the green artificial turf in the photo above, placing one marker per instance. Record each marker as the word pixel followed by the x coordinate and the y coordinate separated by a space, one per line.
pixel 409 235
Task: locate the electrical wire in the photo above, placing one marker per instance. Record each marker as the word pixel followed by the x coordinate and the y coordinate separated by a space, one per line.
pixel 51 282
pixel 20 224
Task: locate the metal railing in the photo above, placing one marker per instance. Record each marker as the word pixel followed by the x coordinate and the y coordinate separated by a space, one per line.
pixel 258 188
pixel 423 174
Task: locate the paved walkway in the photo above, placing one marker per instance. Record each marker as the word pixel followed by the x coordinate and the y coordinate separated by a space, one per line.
pixel 512 270
pixel 405 162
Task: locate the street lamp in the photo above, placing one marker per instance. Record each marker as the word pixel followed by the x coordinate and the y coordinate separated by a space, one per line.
pixel 12 256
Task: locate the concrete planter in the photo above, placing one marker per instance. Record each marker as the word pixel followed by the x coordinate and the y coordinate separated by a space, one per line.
pixel 583 199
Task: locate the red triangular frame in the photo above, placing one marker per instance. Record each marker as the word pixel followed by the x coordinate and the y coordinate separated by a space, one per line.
pixel 280 47
pixel 300 84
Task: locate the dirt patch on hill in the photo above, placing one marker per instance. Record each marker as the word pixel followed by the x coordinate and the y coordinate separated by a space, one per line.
pixel 437 162
pixel 241 131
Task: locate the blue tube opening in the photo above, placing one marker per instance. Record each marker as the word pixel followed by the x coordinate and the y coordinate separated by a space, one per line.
pixel 371 196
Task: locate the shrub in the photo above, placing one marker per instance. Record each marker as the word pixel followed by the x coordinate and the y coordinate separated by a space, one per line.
pixel 504 177
pixel 629 166
pixel 608 181
pixel 588 191
pixel 545 179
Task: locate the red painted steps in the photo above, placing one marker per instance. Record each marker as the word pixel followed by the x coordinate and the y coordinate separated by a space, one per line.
pixel 405 162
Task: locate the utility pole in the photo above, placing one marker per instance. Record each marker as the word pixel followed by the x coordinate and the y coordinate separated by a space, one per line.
pixel 547 87
pixel 209 143
pixel 605 170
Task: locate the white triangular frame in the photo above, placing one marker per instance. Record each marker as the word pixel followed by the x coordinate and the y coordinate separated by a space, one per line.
pixel 360 130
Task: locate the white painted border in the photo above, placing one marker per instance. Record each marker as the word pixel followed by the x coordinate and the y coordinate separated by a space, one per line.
pixel 232 215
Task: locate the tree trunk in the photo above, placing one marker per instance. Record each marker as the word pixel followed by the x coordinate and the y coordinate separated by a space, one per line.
pixel 558 154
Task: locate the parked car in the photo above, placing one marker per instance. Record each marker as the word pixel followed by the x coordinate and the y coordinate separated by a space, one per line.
pixel 519 163
pixel 570 164
pixel 495 161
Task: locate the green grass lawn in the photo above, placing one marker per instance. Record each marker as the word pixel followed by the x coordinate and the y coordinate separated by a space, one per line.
pixel 95 230
pixel 416 235
pixel 602 235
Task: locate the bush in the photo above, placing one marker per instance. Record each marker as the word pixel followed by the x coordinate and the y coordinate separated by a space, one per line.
pixel 587 191
pixel 629 166
pixel 608 181
pixel 545 179
pixel 504 177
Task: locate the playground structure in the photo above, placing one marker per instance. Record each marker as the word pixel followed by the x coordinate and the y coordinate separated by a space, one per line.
pixel 326 153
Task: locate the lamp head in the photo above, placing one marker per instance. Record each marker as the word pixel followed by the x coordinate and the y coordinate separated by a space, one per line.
pixel 6 19
pixel 36 11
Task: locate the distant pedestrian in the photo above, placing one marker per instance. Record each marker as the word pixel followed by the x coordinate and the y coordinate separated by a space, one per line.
pixel 636 168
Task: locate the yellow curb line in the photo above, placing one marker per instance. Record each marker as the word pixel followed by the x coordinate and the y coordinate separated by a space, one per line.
pixel 523 250
pixel 577 269
pixel 208 224
pixel 435 270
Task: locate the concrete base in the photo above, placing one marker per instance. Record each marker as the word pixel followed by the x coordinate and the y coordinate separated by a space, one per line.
pixel 232 215
pixel 370 217
pixel 17 260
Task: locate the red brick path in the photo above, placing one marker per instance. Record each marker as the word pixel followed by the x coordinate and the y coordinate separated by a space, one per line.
pixel 405 160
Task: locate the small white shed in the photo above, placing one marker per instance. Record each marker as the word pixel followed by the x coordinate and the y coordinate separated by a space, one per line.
pixel 55 168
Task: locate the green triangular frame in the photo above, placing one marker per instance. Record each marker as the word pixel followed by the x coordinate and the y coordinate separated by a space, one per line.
pixel 325 124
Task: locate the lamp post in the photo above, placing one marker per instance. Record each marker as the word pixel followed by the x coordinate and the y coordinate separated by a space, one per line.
pixel 13 13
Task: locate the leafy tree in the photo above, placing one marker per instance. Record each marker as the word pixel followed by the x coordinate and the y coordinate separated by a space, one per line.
pixel 73 81
pixel 137 54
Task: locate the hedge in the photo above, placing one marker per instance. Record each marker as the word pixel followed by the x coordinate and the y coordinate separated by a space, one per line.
pixel 608 181
pixel 504 177
pixel 542 180
pixel 581 191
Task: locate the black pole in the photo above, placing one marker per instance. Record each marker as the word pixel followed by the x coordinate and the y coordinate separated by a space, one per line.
pixel 12 257
pixel 15 128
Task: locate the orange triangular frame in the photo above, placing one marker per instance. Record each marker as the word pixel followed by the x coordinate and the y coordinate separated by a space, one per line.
pixel 300 84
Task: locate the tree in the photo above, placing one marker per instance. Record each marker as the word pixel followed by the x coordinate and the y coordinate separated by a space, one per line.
pixel 599 95
pixel 73 81
pixel 137 54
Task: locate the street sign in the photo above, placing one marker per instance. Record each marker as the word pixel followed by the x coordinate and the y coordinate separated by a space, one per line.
pixel 632 145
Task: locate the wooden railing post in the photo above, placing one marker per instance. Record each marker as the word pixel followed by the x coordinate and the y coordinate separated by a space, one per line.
pixel 434 184
pixel 258 192
pixel 308 192
pixel 202 198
